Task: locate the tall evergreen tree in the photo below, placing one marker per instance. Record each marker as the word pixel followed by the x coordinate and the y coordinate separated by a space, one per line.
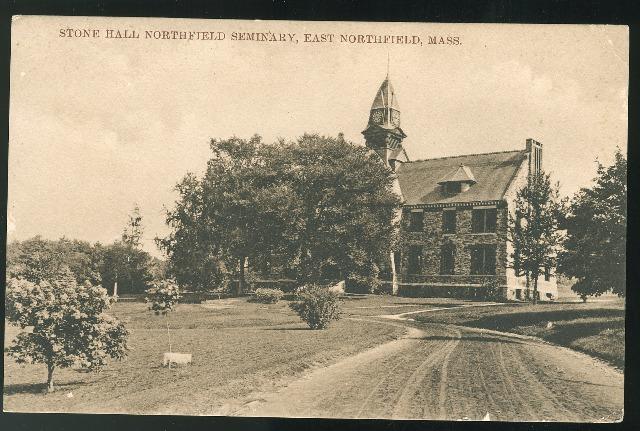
pixel 124 262
pixel 533 229
pixel 132 233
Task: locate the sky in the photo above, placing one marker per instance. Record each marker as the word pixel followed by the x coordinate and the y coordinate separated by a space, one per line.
pixel 98 125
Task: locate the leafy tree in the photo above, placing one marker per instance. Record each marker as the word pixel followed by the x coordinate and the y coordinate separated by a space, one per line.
pixel 595 245
pixel 319 207
pixel 242 208
pixel 38 259
pixel 125 262
pixel 249 203
pixel 68 324
pixel 348 209
pixel 193 249
pixel 162 297
pixel 533 228
pixel 129 266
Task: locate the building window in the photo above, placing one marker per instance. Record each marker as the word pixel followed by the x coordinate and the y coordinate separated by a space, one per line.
pixel 415 259
pixel 452 188
pixel 449 221
pixel 516 264
pixel 483 220
pixel 447 259
pixel 483 259
pixel 547 273
pixel 416 221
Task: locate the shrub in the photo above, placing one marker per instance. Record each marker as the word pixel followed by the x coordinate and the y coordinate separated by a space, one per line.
pixel 492 290
pixel 268 296
pixel 68 324
pixel 384 289
pixel 364 280
pixel 316 306
pixel 163 296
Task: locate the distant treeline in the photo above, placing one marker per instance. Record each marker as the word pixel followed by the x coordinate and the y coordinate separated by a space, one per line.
pixel 38 259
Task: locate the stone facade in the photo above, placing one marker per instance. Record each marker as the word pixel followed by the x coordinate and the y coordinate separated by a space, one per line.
pixel 432 239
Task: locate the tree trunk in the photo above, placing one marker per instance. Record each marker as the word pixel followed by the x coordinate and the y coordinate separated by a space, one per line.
pixel 535 288
pixel 241 281
pixel 394 275
pixel 50 368
pixel 527 294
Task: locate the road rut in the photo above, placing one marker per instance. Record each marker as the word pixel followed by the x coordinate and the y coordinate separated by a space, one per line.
pixel 449 372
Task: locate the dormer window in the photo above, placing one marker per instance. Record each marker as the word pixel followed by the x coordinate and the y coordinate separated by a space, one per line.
pixel 452 188
pixel 457 181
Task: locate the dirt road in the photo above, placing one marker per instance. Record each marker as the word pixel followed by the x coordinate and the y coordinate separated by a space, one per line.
pixel 449 372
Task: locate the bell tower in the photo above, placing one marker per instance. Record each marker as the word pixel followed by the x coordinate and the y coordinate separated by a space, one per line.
pixel 383 133
pixel 384 136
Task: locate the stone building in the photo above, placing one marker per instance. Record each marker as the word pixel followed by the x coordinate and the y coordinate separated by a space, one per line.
pixel 454 214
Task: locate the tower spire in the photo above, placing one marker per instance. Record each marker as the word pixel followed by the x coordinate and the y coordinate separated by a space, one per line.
pixel 383 133
pixel 388 61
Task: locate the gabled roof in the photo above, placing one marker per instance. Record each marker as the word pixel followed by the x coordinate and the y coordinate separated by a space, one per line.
pixel 462 174
pixel 493 172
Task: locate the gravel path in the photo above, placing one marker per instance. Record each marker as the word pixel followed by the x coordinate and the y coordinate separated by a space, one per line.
pixel 455 373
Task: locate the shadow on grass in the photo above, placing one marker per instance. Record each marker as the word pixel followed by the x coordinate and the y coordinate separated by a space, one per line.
pixel 353 297
pixel 584 382
pixel 36 388
pixel 429 304
pixel 565 333
pixel 506 321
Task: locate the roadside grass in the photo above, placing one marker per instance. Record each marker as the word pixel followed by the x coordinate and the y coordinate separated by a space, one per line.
pixel 237 350
pixel 595 328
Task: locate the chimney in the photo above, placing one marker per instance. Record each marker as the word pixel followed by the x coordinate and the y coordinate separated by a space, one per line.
pixel 534 148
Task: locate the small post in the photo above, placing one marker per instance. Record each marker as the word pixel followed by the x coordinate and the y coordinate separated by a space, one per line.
pixel 169 336
pixel 394 276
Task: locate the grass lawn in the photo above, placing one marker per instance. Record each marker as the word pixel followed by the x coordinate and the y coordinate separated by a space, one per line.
pixel 596 328
pixel 236 350
pixel 241 347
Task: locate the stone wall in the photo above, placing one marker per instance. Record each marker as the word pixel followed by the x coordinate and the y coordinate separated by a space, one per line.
pixel 432 238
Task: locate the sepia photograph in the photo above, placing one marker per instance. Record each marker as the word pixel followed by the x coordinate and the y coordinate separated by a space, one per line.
pixel 313 219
